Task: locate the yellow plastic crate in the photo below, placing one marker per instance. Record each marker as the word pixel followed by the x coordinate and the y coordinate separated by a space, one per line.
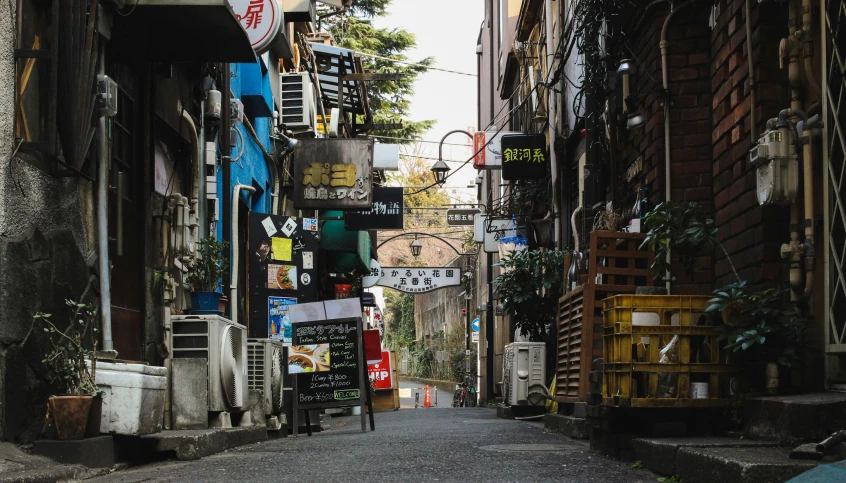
pixel 635 330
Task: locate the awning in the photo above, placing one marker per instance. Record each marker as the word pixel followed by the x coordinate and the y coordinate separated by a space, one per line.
pixel 181 31
pixel 528 20
pixel 334 63
pixel 347 250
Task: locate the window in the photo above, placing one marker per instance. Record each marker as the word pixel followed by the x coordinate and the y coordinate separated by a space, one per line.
pixel 35 79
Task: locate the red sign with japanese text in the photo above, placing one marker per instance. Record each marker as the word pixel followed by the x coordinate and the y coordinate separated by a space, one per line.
pixel 381 374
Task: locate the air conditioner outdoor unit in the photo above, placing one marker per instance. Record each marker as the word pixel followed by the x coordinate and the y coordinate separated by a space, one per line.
pixel 523 366
pixel 265 372
pixel 297 111
pixel 224 345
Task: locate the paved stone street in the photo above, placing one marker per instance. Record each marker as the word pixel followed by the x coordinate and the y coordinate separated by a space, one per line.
pixel 468 444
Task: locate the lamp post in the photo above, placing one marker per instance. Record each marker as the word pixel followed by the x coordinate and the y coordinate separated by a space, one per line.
pixel 440 168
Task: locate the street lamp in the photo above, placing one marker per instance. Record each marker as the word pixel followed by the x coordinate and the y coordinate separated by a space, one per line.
pixel 416 246
pixel 440 169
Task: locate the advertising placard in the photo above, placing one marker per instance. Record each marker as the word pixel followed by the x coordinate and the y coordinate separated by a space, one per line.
pixel 524 156
pixel 381 373
pixel 333 174
pixel 419 280
pixel 385 214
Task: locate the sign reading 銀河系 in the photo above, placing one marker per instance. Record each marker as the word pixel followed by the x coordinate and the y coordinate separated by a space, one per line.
pixel 419 280
pixel 461 217
pixel 385 214
pixel 524 156
pixel 333 174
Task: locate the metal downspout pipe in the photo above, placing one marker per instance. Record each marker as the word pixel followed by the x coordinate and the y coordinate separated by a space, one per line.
pixel 103 221
pixel 551 111
pixel 233 284
pixel 666 84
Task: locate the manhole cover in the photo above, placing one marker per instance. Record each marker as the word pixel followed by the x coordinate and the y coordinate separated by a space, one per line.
pixel 529 448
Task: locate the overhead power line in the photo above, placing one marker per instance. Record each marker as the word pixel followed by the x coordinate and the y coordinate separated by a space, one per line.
pixel 416 64
pixel 417 140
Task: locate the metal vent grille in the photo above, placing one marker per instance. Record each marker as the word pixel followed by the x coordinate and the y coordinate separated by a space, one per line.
pixel 255 365
pixel 295 90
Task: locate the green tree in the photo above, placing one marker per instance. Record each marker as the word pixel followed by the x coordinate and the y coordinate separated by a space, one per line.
pixel 389 100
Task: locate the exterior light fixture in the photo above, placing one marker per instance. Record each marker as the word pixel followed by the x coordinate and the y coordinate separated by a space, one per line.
pixel 440 169
pixel 416 246
pixel 626 67
pixel 635 121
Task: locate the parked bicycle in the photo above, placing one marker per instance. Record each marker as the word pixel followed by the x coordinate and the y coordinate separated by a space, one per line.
pixel 465 396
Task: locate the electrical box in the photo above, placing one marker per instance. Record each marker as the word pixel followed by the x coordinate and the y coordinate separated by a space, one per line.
pixel 236 111
pixel 107 96
pixel 777 165
pixel 523 366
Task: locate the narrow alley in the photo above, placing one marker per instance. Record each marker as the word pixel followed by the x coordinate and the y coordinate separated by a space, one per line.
pixel 449 444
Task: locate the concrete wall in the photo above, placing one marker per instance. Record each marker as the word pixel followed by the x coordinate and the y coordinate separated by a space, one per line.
pixel 439 311
pixel 46 249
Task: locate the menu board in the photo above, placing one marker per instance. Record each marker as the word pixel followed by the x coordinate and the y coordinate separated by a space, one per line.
pixel 330 355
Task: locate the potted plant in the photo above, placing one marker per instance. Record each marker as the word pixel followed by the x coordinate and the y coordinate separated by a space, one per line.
pixel 67 361
pixel 205 276
pixel 682 230
pixel 762 328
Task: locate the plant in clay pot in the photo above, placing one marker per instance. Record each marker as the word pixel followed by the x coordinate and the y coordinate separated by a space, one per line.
pixel 72 363
pixel 205 276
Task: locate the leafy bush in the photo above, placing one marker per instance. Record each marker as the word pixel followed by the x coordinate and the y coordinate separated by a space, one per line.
pixel 762 326
pixel 208 270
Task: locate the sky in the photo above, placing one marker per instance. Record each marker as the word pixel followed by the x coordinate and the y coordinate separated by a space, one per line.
pixel 446 30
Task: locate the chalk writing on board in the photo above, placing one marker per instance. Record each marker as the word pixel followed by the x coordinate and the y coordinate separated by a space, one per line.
pixel 349 394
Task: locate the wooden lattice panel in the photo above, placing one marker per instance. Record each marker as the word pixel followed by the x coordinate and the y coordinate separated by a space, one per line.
pixel 625 268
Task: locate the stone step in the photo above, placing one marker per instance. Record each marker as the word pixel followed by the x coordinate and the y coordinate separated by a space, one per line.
pixel 195 444
pixel 573 427
pixel 791 420
pixel 708 460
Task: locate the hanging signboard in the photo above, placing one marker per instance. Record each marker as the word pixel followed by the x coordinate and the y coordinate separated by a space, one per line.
pixel 461 217
pixel 333 174
pixel 381 373
pixel 419 280
pixel 261 19
pixel 333 374
pixel 493 231
pixel 385 214
pixel 524 156
pixel 488 149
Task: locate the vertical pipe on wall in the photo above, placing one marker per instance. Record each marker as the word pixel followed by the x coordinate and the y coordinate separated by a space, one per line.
pixel 226 152
pixel 551 111
pixel 103 221
pixel 202 216
pixel 489 316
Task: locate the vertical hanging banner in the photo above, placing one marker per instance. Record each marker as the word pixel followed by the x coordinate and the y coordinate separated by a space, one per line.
pixel 333 174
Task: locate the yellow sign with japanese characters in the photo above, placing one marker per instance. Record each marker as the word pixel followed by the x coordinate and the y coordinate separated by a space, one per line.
pixel 333 173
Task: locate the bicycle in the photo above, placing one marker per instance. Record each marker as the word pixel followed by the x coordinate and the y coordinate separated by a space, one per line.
pixel 465 396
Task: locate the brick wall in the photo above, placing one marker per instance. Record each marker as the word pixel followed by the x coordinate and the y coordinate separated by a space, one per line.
pixel 710 131
pixel 751 234
pixel 689 72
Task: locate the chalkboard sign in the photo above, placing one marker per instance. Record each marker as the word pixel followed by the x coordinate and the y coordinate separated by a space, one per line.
pixel 331 357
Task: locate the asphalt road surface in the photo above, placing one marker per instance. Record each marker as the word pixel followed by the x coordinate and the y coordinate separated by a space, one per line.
pixel 448 444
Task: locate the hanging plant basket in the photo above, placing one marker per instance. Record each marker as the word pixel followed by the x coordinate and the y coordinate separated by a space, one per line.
pixel 514 241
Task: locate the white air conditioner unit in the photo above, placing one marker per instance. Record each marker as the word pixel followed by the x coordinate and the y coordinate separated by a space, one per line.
pixel 265 371
pixel 523 366
pixel 224 345
pixel 297 111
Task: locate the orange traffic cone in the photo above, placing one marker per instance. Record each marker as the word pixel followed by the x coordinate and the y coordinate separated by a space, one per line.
pixel 427 401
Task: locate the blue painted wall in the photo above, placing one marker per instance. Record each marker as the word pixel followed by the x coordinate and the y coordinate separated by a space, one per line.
pixel 250 82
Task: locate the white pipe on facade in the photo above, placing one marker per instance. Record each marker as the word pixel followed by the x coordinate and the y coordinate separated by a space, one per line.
pixel 551 111
pixel 202 217
pixel 666 84
pixel 167 415
pixel 191 225
pixel 233 283
pixel 103 221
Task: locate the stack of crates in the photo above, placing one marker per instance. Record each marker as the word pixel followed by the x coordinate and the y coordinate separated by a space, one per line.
pixel 634 372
